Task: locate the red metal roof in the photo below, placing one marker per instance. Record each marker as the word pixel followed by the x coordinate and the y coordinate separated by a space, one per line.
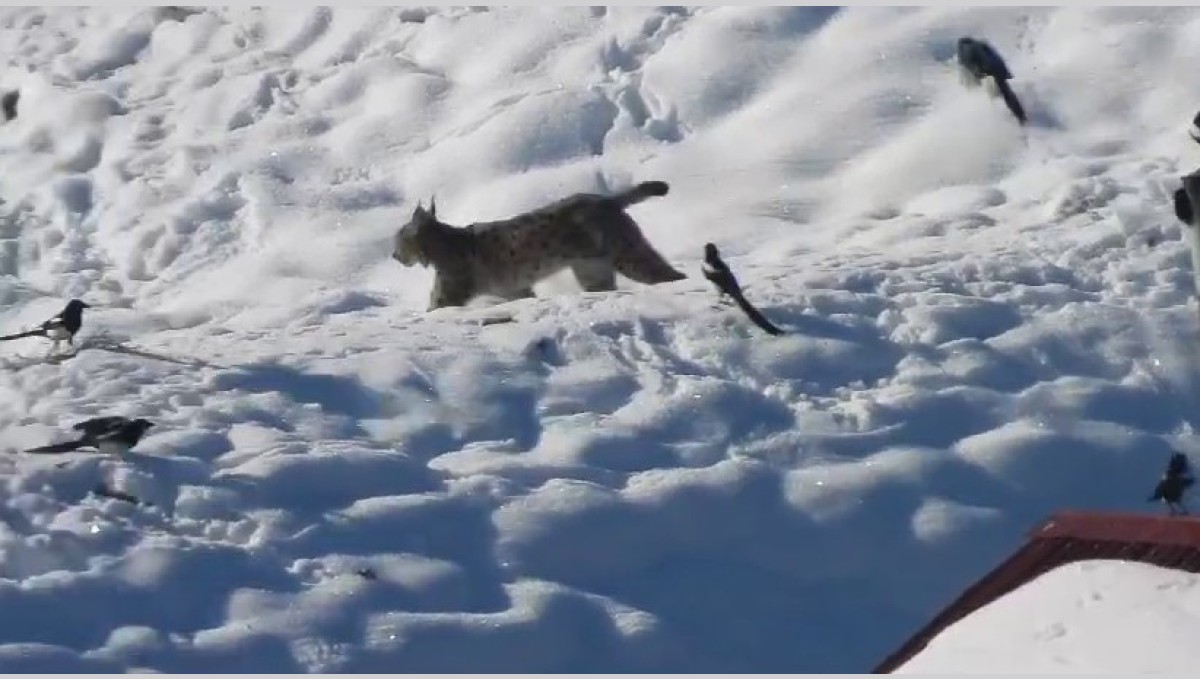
pixel 1171 542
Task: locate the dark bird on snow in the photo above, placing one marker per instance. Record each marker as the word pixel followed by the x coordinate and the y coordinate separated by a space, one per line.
pixel 109 435
pixel 980 60
pixel 1177 479
pixel 1184 197
pixel 718 273
pixel 8 104
pixel 1183 207
pixel 59 328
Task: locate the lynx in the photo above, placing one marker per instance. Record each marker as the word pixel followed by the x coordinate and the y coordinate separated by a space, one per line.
pixel 586 232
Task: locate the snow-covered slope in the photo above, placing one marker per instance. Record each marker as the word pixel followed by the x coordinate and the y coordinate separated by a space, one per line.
pixel 986 323
pixel 1091 617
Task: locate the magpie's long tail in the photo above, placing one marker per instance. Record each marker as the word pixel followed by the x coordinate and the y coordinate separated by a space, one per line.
pixel 755 315
pixel 28 333
pixel 1010 100
pixel 66 447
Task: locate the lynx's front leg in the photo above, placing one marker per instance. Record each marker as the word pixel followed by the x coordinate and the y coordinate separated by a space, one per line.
pixel 449 291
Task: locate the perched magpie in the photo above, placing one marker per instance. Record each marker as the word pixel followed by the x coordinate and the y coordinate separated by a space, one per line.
pixel 718 273
pixel 60 327
pixel 109 435
pixel 1175 481
pixel 980 60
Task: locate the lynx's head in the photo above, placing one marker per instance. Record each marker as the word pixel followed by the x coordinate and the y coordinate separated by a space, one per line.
pixel 413 240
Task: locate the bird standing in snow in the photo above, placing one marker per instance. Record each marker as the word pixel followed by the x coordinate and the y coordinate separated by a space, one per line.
pixel 8 104
pixel 109 435
pixel 980 60
pixel 718 273
pixel 1177 479
pixel 59 328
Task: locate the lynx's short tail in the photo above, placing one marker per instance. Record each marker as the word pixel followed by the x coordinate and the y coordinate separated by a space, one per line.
pixel 641 192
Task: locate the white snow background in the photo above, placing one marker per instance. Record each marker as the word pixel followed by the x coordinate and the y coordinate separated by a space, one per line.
pixel 986 323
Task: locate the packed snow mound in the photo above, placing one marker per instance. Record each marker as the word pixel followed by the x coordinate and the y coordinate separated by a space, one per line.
pixel 1090 617
pixel 985 323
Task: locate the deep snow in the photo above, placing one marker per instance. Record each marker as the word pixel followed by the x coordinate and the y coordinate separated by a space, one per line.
pixel 987 323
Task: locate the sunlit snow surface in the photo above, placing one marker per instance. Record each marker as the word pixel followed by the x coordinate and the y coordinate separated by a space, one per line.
pixel 986 323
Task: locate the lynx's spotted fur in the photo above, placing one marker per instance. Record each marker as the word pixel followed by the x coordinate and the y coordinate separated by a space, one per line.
pixel 589 233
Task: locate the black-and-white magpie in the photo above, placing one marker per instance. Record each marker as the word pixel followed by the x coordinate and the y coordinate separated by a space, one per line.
pixel 981 60
pixel 718 273
pixel 109 435
pixel 61 327
pixel 1175 481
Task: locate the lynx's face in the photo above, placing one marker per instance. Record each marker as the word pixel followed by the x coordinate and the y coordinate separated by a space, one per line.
pixel 408 250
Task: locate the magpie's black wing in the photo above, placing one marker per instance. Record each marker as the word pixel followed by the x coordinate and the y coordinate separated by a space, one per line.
pixel 55 322
pixel 1178 465
pixel 720 275
pixel 8 103
pixel 100 426
pixel 125 434
pixel 994 63
pixel 1183 206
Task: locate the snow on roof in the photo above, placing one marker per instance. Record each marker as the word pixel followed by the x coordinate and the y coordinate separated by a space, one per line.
pixel 1088 616
pixel 1068 537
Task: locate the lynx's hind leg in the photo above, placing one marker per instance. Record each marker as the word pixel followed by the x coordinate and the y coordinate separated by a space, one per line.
pixel 595 275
